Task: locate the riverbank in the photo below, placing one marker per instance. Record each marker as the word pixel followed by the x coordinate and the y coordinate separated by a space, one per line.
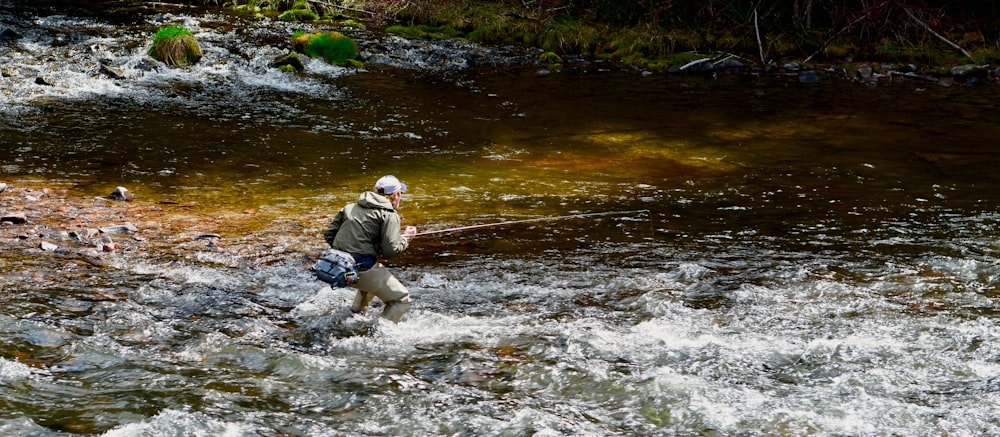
pixel 857 42
pixel 521 35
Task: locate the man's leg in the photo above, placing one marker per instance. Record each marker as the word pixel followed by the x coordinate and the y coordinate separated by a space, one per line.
pixel 379 281
pixel 361 301
pixel 394 310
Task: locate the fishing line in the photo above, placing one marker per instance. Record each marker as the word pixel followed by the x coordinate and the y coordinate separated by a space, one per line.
pixel 539 219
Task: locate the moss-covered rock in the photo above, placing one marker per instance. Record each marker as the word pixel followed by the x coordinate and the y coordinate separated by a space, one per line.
pixel 290 63
pixel 353 23
pixel 298 15
pixel 175 46
pixel 550 58
pixel 333 47
pixel 425 32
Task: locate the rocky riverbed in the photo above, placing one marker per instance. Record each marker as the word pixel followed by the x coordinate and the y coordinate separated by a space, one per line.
pixel 53 222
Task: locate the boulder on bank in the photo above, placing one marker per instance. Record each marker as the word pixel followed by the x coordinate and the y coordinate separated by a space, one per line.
pixel 175 46
pixel 969 71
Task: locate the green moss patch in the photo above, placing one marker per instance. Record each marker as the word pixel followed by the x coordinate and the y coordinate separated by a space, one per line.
pixel 425 32
pixel 298 15
pixel 290 63
pixel 333 47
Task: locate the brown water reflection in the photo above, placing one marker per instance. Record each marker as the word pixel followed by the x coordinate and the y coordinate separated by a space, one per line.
pixel 489 146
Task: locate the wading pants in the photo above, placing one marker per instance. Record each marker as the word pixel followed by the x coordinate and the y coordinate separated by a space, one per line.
pixel 378 281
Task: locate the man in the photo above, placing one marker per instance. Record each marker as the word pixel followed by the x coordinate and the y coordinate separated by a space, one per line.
pixel 369 230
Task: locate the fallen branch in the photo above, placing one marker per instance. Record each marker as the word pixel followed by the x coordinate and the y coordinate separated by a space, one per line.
pixel 725 57
pixel 693 63
pixel 914 76
pixel 153 5
pixel 763 61
pixel 938 35
pixel 718 58
pixel 345 8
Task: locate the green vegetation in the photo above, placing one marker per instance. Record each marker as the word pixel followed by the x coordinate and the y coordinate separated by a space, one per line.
pixel 333 47
pixel 298 15
pixel 176 46
pixel 425 32
pixel 551 59
pixel 652 34
pixel 302 8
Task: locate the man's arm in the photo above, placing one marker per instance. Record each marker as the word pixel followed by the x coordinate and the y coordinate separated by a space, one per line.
pixel 393 242
pixel 331 232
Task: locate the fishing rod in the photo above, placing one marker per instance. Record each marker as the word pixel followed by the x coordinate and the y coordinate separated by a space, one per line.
pixel 539 219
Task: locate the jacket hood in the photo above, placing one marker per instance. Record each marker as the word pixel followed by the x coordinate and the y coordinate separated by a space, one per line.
pixel 372 200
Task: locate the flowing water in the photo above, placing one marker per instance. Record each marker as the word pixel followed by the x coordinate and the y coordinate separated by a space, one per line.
pixel 803 259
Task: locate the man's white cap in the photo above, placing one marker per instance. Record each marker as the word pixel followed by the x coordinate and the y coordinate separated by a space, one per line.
pixel 389 185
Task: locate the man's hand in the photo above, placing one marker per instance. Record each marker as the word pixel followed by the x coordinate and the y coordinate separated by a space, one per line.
pixel 410 231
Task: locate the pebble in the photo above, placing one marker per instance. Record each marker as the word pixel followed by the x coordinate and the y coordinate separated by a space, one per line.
pixel 109 245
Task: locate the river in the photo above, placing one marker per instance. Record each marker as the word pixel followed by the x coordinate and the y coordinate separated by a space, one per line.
pixel 791 258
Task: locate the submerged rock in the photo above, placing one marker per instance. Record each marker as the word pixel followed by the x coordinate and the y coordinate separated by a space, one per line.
pixel 9 35
pixel 809 77
pixel 119 229
pixel 121 193
pixel 111 72
pixel 15 219
pixel 84 235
